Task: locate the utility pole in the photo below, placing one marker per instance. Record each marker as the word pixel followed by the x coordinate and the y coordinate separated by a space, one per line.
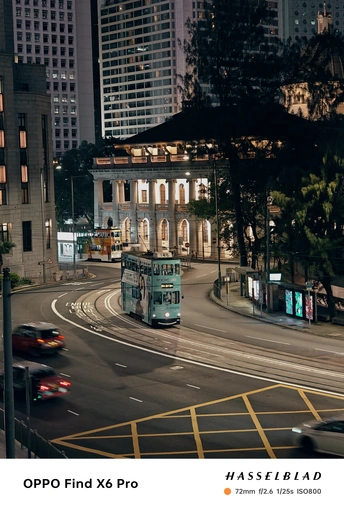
pixel 8 366
pixel 217 226
pixel 268 204
pixel 43 226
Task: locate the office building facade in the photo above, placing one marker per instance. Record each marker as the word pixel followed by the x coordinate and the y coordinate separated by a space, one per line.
pixel 27 204
pixel 300 19
pixel 57 34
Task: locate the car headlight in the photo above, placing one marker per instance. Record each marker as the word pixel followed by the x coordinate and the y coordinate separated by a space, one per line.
pixel 167 314
pixel 297 430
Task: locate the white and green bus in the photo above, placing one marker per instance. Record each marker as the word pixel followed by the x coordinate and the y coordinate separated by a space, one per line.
pixel 151 287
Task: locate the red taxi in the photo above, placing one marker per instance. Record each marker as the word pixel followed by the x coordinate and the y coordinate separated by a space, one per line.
pixel 37 338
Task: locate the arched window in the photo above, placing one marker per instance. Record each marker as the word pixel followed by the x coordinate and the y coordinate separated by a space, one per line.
pixel 162 194
pixel 145 229
pixel 181 194
pixel 164 230
pixel 184 228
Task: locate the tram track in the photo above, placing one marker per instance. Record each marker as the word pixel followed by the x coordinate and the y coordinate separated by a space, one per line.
pixel 102 313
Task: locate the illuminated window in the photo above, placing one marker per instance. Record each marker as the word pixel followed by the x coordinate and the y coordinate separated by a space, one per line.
pixel 24 174
pixel 181 194
pixel 2 139
pixel 22 139
pixel 162 194
pixel 2 174
pixel 48 233
pixel 4 234
pixel 184 228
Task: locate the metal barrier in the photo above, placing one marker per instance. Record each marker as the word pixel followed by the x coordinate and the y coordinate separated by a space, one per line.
pixel 40 448
pixel 185 263
pixel 217 288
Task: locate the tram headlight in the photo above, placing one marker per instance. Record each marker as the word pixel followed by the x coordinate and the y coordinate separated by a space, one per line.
pixel 153 315
pixel 167 314
pixel 178 314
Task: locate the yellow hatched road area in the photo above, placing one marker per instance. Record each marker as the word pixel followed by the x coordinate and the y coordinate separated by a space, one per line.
pixel 253 424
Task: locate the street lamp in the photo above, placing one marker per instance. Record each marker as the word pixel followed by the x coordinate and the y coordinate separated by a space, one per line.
pixel 73 222
pixel 43 226
pixel 217 226
pixel 268 204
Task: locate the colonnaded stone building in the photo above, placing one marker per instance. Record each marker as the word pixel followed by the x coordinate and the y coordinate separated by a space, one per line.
pixel 27 204
pixel 153 181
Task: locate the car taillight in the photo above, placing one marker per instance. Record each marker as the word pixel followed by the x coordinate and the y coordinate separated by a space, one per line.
pixel 65 384
pixel 44 388
pixel 61 337
pixel 41 341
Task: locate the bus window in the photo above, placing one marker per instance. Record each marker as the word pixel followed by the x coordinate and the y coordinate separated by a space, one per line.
pixel 169 269
pixel 167 297
pixel 157 299
pixel 175 297
pixel 156 269
pixel 177 269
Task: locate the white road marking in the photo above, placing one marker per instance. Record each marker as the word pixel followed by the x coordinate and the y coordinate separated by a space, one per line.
pixel 207 327
pixel 267 340
pixel 193 386
pixel 328 351
pixel 65 375
pixel 63 294
pixel 137 400
pixel 102 291
pixel 72 412
pixel 120 365
pixel 204 275
pixel 214 367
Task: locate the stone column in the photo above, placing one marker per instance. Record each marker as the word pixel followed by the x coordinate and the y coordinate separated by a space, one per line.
pixel 173 241
pixel 153 237
pixel 115 200
pixel 121 196
pixel 98 202
pixel 192 188
pixel 133 212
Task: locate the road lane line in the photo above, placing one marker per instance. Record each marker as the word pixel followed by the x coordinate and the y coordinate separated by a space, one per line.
pixel 137 400
pixel 328 351
pixel 208 328
pixel 193 386
pixel 207 365
pixel 267 340
pixel 63 294
pixel 72 412
pixel 120 365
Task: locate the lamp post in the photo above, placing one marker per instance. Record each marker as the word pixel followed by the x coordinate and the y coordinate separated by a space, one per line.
pixel 217 226
pixel 268 204
pixel 43 226
pixel 73 221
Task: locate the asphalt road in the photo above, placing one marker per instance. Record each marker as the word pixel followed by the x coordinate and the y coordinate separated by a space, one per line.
pixel 188 398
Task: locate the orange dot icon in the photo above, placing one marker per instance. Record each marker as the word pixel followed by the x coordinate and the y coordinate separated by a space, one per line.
pixel 227 491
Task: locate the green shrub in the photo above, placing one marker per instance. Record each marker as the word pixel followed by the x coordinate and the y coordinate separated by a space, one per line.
pixel 16 280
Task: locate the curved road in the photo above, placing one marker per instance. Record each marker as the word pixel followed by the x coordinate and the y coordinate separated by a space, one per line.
pixel 192 365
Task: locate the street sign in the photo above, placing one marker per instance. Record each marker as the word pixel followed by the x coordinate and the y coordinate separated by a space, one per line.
pixel 187 245
pixel 49 261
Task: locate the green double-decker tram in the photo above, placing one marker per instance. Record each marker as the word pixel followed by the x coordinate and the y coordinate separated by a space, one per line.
pixel 151 287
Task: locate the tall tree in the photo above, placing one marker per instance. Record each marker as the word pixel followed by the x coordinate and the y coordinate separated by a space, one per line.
pixel 227 52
